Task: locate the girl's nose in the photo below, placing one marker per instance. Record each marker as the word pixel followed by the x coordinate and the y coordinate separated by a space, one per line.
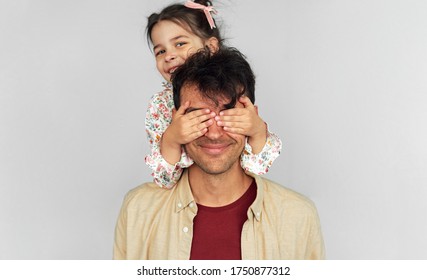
pixel 170 56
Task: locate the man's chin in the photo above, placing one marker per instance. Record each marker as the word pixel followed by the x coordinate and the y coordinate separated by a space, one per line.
pixel 213 170
pixel 215 166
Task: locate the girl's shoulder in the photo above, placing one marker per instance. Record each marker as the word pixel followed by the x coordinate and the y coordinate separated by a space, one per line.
pixel 164 97
pixel 166 92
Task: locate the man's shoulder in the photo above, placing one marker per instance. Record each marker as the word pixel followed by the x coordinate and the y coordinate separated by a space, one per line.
pixel 147 194
pixel 286 197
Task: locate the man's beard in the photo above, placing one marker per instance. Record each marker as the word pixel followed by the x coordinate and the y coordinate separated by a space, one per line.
pixel 214 165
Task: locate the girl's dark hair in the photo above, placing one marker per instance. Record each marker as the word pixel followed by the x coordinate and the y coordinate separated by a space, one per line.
pixel 194 19
pixel 222 74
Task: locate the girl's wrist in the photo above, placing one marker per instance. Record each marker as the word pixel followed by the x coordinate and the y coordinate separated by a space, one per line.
pixel 262 131
pixel 169 150
pixel 168 141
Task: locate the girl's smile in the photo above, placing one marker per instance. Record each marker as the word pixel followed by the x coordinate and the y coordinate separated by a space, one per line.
pixel 173 44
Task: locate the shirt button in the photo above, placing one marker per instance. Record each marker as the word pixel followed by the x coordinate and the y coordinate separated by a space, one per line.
pixel 185 229
pixel 179 205
pixel 258 213
pixel 191 205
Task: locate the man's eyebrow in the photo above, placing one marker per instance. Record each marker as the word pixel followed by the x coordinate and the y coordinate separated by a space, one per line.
pixel 172 39
pixel 191 109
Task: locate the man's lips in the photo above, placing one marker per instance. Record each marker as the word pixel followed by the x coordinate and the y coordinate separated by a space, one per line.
pixel 214 149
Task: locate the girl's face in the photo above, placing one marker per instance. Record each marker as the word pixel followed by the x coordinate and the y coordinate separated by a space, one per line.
pixel 172 45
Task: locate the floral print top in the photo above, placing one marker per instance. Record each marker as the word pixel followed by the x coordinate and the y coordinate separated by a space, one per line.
pixel 159 117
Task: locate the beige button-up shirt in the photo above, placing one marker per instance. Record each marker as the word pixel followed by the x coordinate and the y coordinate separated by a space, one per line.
pixel 156 223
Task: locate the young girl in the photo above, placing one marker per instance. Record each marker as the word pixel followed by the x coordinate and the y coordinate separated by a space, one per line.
pixel 175 33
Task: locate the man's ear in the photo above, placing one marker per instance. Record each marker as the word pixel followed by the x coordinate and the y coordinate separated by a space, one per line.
pixel 213 44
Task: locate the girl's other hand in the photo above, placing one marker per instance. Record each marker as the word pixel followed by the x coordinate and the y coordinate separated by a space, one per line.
pixel 245 121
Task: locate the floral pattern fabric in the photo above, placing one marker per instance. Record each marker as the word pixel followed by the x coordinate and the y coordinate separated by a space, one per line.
pixel 159 117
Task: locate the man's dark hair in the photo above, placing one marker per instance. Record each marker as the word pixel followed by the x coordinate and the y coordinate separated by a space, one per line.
pixel 224 73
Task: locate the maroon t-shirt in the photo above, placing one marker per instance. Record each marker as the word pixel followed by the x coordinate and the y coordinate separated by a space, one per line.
pixel 217 230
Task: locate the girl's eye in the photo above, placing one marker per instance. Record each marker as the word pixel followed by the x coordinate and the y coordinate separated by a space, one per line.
pixel 180 44
pixel 159 52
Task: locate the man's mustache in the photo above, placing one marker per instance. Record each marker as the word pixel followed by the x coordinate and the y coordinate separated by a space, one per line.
pixel 206 141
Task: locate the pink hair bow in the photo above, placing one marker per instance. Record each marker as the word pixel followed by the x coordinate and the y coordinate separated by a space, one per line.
pixel 207 9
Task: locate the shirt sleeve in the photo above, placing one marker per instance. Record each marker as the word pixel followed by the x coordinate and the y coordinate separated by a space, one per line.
pixel 315 248
pixel 157 119
pixel 120 233
pixel 261 162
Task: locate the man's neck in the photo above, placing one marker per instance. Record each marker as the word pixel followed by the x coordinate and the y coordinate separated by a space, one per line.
pixel 217 190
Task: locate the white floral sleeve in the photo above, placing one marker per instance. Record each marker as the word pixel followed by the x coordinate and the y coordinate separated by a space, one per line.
pixel 260 163
pixel 157 119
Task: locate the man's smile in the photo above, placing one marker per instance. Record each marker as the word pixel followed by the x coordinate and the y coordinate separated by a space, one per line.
pixel 215 149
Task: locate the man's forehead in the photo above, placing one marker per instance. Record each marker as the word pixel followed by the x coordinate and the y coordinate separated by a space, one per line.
pixel 191 91
pixel 193 94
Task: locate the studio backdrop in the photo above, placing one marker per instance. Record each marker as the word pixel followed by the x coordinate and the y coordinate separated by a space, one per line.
pixel 342 83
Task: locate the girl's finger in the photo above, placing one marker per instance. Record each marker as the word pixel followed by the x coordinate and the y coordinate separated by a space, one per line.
pixel 246 101
pixel 203 118
pixel 241 125
pixel 197 113
pixel 198 133
pixel 183 108
pixel 233 112
pixel 203 125
pixel 236 130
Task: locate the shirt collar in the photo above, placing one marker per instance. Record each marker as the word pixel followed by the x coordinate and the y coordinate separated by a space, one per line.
pixel 185 197
pixel 255 210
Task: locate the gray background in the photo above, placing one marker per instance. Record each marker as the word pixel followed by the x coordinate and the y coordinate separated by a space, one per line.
pixel 341 82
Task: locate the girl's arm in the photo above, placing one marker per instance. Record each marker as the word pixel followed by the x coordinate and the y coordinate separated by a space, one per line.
pixel 259 163
pixel 157 119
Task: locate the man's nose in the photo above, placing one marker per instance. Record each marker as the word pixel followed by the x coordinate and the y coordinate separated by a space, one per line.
pixel 214 131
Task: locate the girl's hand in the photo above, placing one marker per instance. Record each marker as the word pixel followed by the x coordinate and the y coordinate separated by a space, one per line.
pixel 245 121
pixel 184 128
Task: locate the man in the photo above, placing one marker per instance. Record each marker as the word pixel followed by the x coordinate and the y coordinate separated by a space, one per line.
pixel 217 211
